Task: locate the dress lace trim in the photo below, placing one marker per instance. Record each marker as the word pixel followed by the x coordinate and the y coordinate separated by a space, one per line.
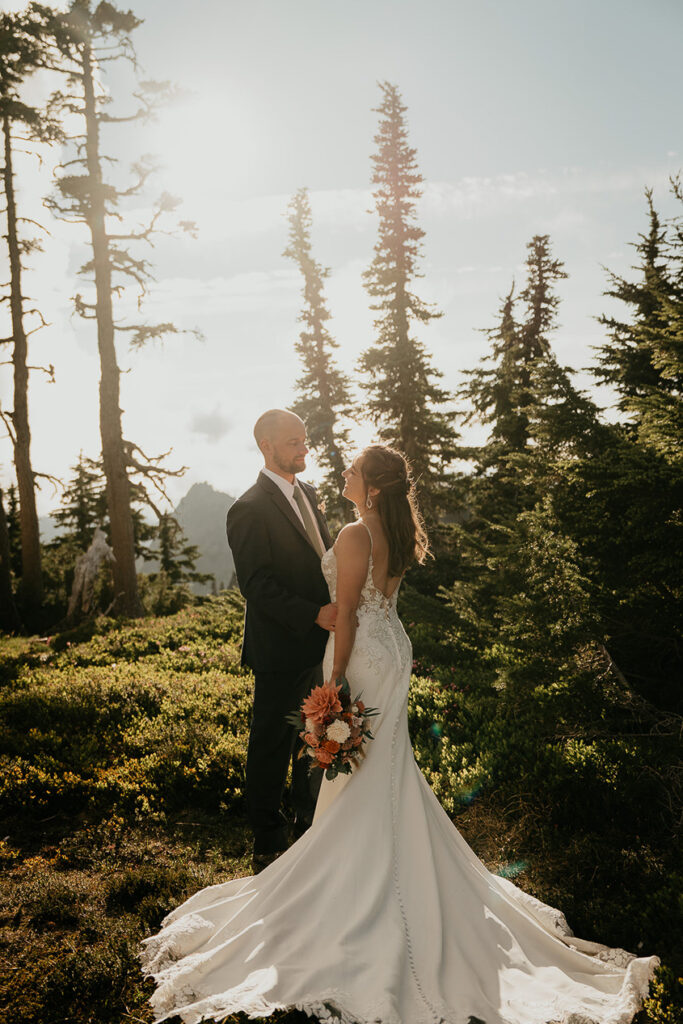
pixel 175 995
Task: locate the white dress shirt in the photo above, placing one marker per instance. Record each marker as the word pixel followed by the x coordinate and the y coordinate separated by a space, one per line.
pixel 288 491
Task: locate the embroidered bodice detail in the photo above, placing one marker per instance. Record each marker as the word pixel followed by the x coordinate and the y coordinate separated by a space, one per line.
pixel 371 597
pixel 380 631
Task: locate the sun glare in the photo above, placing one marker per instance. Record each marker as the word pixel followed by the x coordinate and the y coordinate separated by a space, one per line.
pixel 207 145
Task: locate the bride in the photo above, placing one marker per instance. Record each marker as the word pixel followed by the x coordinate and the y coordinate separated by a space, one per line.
pixel 381 913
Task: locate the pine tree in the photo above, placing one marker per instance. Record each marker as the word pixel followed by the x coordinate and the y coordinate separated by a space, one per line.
pixel 88 39
pixel 168 589
pixel 177 557
pixel 14 530
pixel 494 392
pixel 541 304
pixel 537 419
pixel 9 616
pixel 83 506
pixel 401 388
pixel 626 362
pixel 643 360
pixel 517 386
pixel 324 391
pixel 21 53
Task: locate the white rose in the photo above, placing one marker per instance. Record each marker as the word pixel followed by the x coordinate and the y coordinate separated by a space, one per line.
pixel 338 731
pixel 310 725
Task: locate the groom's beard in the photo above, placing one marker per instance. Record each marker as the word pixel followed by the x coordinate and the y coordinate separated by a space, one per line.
pixel 293 466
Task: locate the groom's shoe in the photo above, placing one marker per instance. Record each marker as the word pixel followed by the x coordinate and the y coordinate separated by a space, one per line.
pixel 267 847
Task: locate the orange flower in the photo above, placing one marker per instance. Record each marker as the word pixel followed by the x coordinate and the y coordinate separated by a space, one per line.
pixel 360 705
pixel 322 702
pixel 332 746
pixel 324 757
pixel 311 739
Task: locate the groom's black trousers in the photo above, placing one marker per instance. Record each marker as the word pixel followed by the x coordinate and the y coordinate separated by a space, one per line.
pixel 273 743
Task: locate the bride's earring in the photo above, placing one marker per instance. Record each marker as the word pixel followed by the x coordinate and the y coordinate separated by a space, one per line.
pixel 368 502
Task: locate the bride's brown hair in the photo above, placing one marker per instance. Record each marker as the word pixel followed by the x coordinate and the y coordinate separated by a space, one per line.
pixel 388 470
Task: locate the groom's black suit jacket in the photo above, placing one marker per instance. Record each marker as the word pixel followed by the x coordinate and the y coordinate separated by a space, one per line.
pixel 278 571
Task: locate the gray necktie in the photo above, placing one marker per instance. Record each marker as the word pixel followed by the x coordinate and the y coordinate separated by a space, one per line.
pixel 309 525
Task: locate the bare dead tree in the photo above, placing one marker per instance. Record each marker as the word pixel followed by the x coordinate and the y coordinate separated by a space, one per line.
pixel 22 51
pixel 86 38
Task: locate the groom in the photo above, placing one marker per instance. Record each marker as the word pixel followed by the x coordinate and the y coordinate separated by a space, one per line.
pixel 277 536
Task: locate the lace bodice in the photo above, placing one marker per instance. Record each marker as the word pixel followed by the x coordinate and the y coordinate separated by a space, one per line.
pixel 381 649
pixel 371 597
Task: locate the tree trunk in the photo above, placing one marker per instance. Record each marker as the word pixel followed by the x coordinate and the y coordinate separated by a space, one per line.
pixel 31 587
pixel 127 601
pixel 9 617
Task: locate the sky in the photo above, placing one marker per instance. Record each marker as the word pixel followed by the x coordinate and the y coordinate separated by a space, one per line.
pixel 528 118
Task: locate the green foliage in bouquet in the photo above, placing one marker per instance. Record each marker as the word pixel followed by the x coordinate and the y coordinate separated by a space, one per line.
pixel 334 728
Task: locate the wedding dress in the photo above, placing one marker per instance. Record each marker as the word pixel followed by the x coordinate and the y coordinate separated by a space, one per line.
pixel 381 912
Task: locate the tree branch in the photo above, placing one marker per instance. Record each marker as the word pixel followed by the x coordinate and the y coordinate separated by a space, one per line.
pixel 54 480
pixel 48 370
pixel 7 419
pixel 151 470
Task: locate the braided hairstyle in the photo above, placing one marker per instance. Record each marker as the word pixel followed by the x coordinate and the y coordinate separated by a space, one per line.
pixel 387 469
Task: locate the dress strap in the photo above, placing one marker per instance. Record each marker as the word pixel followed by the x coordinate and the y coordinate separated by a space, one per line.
pixel 369 532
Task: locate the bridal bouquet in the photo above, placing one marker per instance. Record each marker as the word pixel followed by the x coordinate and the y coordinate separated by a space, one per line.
pixel 334 728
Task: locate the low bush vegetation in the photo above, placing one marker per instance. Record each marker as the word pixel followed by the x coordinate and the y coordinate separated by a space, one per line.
pixel 122 749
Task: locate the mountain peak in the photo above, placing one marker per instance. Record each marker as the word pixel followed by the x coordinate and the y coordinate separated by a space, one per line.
pixel 203 494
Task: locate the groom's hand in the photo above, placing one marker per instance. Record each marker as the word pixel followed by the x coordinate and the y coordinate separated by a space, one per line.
pixel 327 617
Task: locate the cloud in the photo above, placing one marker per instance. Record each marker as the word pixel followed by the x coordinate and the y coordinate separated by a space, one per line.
pixel 212 425
pixel 228 220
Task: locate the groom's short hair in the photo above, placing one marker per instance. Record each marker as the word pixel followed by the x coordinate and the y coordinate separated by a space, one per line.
pixel 267 422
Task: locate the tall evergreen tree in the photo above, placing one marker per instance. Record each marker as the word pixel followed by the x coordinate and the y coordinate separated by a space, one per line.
pixel 541 304
pixel 84 505
pixel 403 397
pixel 87 36
pixel 169 589
pixel 643 359
pixel 21 53
pixel 517 386
pixel 9 616
pixel 626 360
pixel 177 557
pixel 324 391
pixel 494 392
pixel 537 418
pixel 14 530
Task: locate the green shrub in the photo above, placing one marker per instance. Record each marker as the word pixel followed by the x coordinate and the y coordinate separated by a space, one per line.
pixel 51 902
pixel 139 718
pixel 148 891
pixel 665 1004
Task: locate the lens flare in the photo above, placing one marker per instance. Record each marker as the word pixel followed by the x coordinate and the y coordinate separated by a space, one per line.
pixel 512 869
pixel 468 796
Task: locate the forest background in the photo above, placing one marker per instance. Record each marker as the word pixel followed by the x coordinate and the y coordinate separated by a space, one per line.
pixel 545 709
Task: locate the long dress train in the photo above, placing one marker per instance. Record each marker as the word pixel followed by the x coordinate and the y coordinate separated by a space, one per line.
pixel 381 913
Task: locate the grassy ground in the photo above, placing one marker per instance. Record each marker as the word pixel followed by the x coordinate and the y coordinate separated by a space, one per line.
pixel 122 750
